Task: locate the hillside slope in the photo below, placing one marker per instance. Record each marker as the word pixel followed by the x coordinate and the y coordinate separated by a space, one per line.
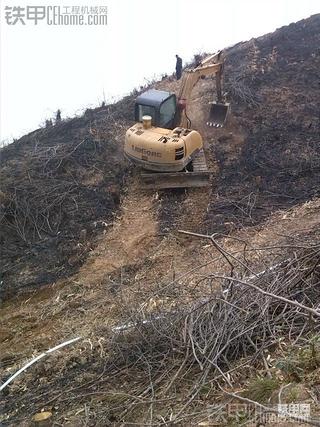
pixel 57 184
pixel 108 254
pixel 267 157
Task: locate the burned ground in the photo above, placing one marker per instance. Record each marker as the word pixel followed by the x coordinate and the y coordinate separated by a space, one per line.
pixel 65 180
pixel 273 85
pixel 277 76
pixel 60 187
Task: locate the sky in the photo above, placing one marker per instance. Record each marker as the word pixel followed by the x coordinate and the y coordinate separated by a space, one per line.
pixel 46 67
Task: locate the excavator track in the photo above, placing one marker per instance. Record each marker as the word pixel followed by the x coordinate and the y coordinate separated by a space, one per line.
pixel 199 177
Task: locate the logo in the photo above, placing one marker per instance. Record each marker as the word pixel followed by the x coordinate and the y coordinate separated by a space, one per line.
pixel 56 15
pixel 145 152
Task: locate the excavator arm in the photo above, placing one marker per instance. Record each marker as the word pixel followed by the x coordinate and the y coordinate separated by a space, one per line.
pixel 190 79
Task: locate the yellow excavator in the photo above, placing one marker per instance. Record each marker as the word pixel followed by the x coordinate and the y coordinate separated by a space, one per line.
pixel 161 141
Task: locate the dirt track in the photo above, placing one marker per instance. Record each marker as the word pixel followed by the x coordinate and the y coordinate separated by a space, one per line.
pixel 132 236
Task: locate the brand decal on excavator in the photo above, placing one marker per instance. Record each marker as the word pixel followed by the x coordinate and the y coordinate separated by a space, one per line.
pixel 145 152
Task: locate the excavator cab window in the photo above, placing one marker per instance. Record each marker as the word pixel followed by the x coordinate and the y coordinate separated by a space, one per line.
pixel 146 110
pixel 167 112
pixel 158 104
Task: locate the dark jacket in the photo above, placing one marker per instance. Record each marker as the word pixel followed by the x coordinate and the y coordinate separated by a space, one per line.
pixel 179 64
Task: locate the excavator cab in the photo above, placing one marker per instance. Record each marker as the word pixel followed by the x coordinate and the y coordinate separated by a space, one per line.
pixel 161 106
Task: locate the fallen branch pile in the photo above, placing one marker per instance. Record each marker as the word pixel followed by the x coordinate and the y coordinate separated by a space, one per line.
pixel 198 345
pixel 46 187
pixel 185 354
pixel 239 91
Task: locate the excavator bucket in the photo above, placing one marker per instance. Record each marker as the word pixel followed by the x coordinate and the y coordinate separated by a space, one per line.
pixel 218 114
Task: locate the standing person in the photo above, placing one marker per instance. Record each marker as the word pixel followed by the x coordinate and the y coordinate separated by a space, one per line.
pixel 58 116
pixel 178 67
